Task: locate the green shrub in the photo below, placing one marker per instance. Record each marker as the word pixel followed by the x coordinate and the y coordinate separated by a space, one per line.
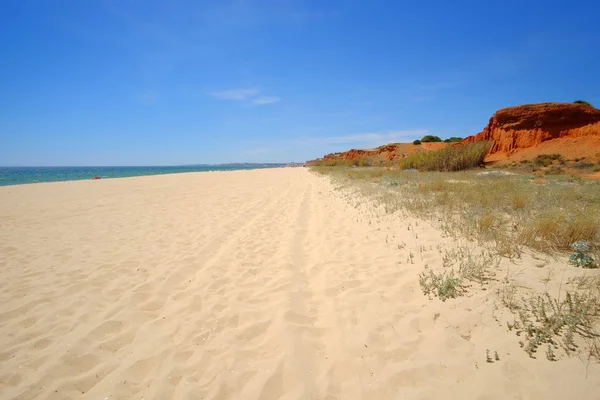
pixel 417 142
pixel 583 165
pixel 361 162
pixel 585 103
pixel 543 160
pixel 554 170
pixel 453 139
pixel 453 158
pixel 430 139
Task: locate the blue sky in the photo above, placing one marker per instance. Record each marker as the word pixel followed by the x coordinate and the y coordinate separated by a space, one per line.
pixel 179 82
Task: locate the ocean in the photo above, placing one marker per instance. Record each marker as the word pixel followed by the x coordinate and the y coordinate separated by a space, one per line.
pixel 22 175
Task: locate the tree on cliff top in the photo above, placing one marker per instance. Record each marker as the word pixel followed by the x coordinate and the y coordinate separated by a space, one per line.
pixel 430 138
pixel 585 103
pixel 453 139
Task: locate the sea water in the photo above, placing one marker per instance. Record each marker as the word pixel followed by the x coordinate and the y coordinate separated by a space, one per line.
pixel 21 175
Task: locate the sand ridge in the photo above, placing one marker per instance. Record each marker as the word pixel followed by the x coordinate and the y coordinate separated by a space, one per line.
pixel 265 284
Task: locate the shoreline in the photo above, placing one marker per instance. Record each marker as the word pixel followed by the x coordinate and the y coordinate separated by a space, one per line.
pixel 131 176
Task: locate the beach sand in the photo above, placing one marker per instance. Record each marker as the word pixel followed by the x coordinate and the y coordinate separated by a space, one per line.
pixel 265 284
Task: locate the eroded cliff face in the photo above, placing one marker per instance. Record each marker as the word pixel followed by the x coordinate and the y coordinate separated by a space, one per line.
pixel 527 126
pixel 385 153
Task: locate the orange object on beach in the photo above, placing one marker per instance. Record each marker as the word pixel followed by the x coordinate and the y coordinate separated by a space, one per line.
pixel 97 177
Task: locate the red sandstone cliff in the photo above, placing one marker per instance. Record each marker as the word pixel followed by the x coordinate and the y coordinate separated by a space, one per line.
pixel 520 132
pixel 528 126
pixel 382 154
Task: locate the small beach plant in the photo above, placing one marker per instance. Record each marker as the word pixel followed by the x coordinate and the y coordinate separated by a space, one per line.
pixel 579 258
pixel 445 285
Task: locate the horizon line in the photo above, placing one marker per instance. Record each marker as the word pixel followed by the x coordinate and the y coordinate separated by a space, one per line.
pixel 153 166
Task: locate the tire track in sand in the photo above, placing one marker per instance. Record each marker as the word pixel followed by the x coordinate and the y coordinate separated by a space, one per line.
pixel 301 316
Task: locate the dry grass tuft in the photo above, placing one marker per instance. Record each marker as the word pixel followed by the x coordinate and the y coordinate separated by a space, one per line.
pixel 556 230
pixel 519 201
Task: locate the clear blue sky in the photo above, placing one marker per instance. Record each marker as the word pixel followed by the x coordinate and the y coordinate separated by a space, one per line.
pixel 128 82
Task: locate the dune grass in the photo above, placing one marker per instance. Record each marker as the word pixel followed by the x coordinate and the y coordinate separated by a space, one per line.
pixel 453 158
pixel 510 211
pixel 507 215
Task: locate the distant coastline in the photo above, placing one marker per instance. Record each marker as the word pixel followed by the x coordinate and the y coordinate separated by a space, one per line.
pixel 27 175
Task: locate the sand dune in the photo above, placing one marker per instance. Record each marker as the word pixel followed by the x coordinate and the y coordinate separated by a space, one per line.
pixel 266 284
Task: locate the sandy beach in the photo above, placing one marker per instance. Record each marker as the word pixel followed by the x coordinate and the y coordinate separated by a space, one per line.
pixel 264 284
